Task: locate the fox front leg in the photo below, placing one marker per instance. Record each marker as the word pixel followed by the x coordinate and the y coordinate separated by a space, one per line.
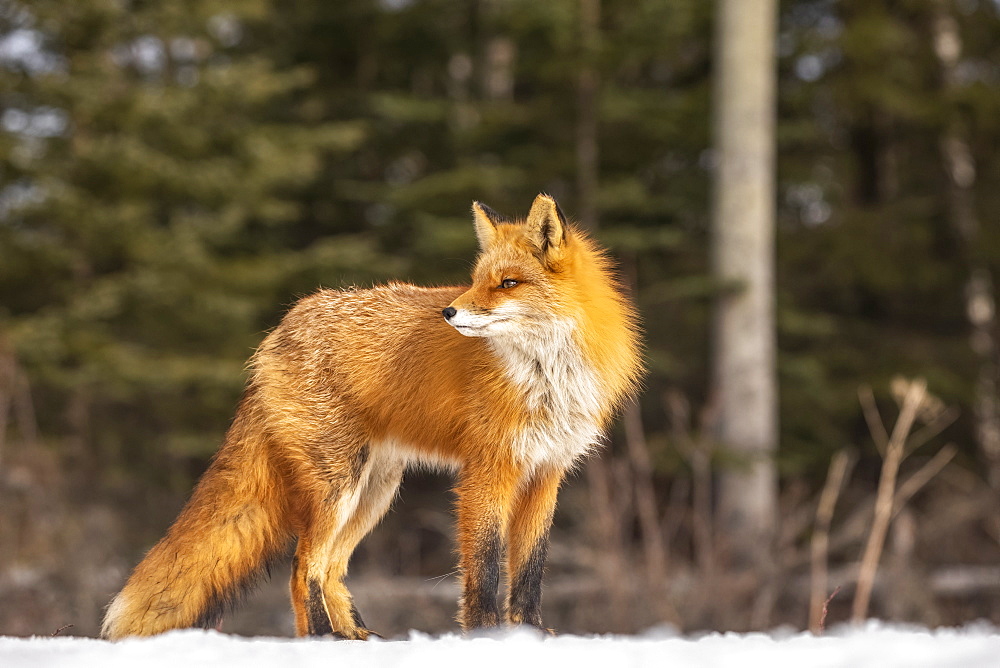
pixel 527 546
pixel 485 496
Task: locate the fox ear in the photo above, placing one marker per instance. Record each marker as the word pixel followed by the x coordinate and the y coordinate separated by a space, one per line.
pixel 546 225
pixel 486 221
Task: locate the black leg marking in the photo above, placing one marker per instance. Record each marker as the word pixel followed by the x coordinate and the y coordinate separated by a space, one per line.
pixel 480 604
pixel 526 587
pixel 356 616
pixel 319 621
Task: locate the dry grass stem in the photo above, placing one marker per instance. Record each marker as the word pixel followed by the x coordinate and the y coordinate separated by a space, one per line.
pixel 654 548
pixel 894 453
pixel 840 465
pixel 698 451
pixel 611 558
pixel 915 482
pixel 873 418
pixel 826 609
pixel 938 423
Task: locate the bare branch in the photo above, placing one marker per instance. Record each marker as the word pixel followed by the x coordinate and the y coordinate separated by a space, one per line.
pixel 884 498
pixel 924 475
pixel 874 419
pixel 654 549
pixel 840 466
pixel 941 422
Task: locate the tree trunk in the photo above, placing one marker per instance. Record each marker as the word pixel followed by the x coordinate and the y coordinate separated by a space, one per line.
pixel 586 109
pixel 980 299
pixel 744 374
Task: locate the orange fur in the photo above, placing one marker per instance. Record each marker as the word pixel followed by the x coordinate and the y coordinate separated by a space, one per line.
pixel 353 386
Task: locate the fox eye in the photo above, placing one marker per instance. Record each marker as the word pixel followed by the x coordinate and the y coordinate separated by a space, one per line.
pixel 508 283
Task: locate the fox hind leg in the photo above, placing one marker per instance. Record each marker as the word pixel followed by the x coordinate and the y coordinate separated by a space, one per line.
pixel 322 603
pixel 379 491
pixel 311 614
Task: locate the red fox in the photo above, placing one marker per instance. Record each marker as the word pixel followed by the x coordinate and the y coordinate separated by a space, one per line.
pixel 509 383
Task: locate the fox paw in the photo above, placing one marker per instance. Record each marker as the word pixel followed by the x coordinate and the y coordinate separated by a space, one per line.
pixel 360 633
pixel 545 631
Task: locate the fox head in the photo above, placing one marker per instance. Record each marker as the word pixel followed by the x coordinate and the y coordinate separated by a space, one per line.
pixel 520 274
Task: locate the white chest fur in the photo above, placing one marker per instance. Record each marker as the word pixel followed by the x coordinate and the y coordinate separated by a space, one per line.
pixel 561 393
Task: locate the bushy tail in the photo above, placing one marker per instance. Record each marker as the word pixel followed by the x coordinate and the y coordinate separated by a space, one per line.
pixel 224 537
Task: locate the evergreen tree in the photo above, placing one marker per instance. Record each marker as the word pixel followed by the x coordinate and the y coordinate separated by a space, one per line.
pixel 151 188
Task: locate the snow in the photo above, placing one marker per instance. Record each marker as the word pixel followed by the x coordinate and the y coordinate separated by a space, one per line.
pixel 872 645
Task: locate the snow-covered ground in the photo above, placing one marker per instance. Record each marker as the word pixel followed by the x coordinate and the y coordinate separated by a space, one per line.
pixel 873 645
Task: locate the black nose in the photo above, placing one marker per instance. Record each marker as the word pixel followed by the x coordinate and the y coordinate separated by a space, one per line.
pixel 449 312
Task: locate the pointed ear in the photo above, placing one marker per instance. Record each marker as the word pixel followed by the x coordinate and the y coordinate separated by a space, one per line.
pixel 546 225
pixel 486 221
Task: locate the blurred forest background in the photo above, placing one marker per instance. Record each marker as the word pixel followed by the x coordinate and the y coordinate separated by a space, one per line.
pixel 174 174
